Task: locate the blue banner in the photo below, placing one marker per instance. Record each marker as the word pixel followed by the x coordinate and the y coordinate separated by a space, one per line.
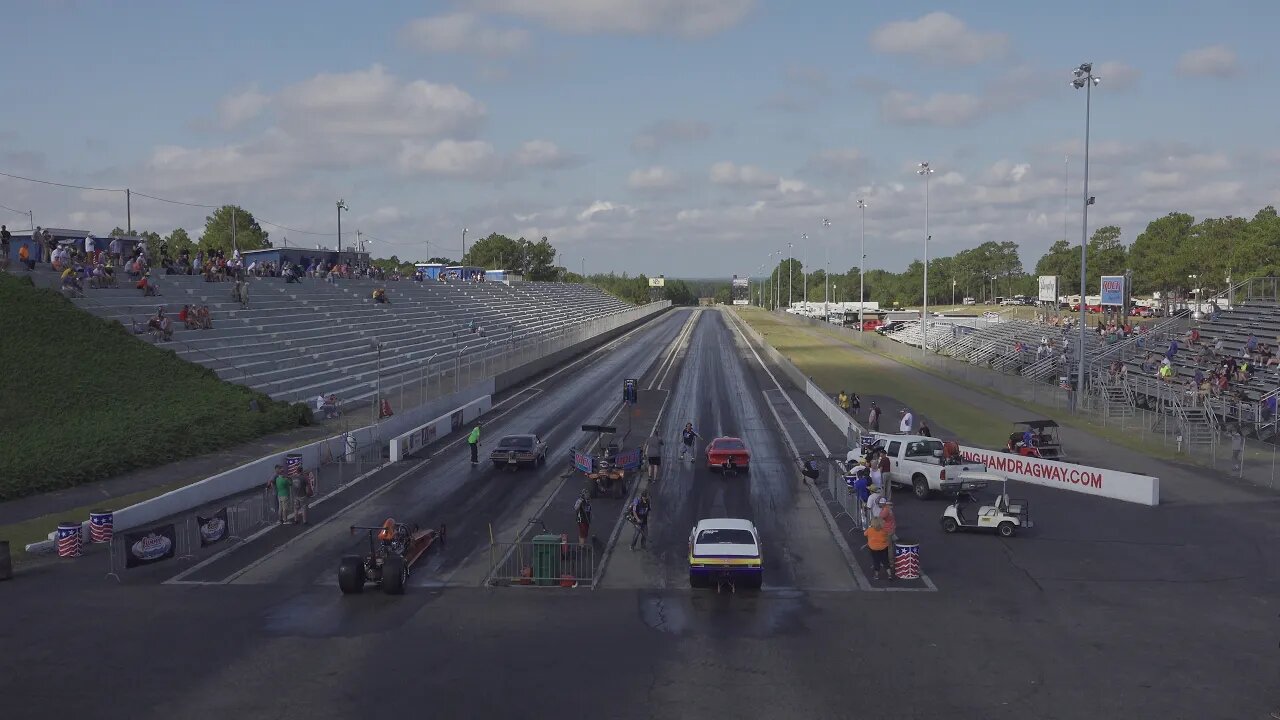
pixel 583 462
pixel 1112 289
pixel 629 460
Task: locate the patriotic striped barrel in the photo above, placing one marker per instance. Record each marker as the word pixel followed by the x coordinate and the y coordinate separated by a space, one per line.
pixel 292 465
pixel 68 539
pixel 906 561
pixel 101 525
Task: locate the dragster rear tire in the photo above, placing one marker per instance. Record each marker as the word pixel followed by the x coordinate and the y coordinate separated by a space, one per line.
pixel 351 574
pixel 394 574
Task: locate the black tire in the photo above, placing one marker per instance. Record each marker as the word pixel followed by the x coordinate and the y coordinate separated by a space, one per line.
pixel 351 574
pixel 920 487
pixel 949 525
pixel 1005 529
pixel 395 573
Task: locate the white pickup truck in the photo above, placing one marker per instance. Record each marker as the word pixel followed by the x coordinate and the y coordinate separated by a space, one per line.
pixel 916 461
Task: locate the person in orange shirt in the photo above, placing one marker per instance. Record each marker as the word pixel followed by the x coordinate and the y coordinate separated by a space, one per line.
pixel 878 544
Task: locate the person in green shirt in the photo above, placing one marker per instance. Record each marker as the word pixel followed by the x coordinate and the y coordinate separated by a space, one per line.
pixel 473 440
pixel 281 485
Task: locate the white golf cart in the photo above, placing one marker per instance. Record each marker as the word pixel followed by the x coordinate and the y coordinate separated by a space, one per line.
pixel 1004 515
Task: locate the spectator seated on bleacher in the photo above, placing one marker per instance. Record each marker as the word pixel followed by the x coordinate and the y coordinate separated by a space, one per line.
pixel 160 326
pixel 1166 371
pixel 71 286
pixel 327 406
pixel 144 284
pixel 380 296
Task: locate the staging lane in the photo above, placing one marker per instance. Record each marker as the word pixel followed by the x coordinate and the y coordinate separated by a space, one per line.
pixel 448 490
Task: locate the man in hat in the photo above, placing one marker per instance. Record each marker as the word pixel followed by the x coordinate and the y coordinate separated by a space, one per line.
pixel 907 422
pixel 890 528
pixel 873 417
pixel 873 502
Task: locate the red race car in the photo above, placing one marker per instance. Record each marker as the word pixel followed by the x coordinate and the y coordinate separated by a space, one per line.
pixel 729 455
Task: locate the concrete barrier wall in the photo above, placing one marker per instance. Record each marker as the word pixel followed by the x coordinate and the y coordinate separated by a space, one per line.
pixel 516 376
pixel 404 445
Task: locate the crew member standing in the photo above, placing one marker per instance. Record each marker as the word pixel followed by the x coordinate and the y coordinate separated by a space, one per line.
pixel 687 436
pixel 843 400
pixel 582 515
pixel 873 417
pixel 908 420
pixel 640 518
pixel 653 449
pixel 473 440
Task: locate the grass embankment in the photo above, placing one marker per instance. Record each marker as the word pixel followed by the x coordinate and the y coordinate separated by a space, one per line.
pixel 83 400
pixel 860 373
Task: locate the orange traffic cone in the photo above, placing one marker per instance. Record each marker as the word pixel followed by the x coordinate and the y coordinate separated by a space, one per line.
pixel 385 411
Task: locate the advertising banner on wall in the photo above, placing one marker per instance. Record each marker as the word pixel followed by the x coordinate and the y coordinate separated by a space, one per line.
pixel 1048 288
pixel 212 529
pixel 1113 290
pixel 150 546
pixel 657 282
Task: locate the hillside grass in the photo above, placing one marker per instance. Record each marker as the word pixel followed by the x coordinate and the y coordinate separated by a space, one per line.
pixel 83 400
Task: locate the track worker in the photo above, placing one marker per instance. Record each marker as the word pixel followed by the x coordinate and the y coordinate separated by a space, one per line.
pixel 843 401
pixel 687 436
pixel 653 450
pixel 582 515
pixel 473 440
pixel 639 516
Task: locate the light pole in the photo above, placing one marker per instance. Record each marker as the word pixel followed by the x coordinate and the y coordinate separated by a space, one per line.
pixel 377 399
pixel 804 271
pixel 1084 78
pixel 790 256
pixel 953 292
pixel 769 287
pixel 826 267
pixel 862 266
pixel 464 245
pixel 342 205
pixel 926 171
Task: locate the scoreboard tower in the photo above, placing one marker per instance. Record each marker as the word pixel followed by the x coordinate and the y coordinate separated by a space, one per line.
pixel 740 290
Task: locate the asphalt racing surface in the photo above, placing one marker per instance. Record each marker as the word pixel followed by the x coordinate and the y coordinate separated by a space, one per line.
pixel 1105 610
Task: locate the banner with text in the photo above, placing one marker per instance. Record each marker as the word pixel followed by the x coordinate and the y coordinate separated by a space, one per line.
pixel 1130 487
pixel 1113 290
pixel 213 529
pixel 150 546
pixel 1048 289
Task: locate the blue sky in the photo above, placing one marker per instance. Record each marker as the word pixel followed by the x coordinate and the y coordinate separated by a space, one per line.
pixel 656 136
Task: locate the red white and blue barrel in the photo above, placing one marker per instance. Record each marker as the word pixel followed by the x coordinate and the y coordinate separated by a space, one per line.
pixel 101 525
pixel 292 465
pixel 906 561
pixel 68 539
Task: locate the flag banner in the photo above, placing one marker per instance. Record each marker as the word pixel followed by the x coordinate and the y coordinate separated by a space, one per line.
pixel 213 528
pixel 150 546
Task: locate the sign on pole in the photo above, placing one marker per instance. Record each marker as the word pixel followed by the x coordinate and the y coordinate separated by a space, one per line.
pixel 1113 290
pixel 629 391
pixel 1048 289
pixel 657 282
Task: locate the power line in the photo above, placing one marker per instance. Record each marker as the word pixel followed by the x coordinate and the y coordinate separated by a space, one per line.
pixel 6 207
pixel 58 184
pixel 260 221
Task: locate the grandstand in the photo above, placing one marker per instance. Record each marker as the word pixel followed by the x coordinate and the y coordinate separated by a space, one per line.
pixel 297 340
pixel 1115 374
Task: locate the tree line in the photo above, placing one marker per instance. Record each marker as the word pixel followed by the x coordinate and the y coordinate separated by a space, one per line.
pixel 1174 254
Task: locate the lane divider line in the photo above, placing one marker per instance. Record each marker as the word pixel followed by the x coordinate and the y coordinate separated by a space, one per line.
pixel 822 504
pixel 532 392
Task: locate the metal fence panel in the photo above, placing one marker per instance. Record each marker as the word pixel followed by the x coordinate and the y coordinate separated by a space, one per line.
pixel 556 562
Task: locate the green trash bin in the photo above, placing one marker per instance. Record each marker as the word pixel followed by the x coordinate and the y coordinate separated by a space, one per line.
pixel 546 559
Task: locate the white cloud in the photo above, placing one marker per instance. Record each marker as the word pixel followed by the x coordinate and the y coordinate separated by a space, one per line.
pixel 838 162
pixel 1160 180
pixel 1209 61
pixel 660 135
pixel 604 208
pixel 375 103
pixel 939 109
pixel 653 179
pixel 689 18
pixel 1006 171
pixel 451 158
pixel 1199 162
pixel 240 107
pixel 733 175
pixel 1117 75
pixel 463 33
pixel 542 154
pixel 939 38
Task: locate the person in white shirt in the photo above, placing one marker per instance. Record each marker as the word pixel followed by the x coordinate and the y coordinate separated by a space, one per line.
pixel 873 501
pixel 908 420
pixel 88 245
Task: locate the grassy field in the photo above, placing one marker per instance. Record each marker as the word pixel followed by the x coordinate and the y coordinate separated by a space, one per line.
pixel 82 400
pixel 860 373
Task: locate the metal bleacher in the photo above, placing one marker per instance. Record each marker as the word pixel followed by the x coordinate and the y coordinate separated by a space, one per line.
pixel 297 340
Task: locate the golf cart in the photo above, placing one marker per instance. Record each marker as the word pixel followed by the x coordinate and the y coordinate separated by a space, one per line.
pixel 1045 443
pixel 1004 515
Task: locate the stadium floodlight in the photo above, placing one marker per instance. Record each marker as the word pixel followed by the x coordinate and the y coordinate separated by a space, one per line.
pixel 1084 78
pixel 862 265
pixel 925 171
pixel 826 266
pixel 804 271
pixel 790 255
pixel 342 205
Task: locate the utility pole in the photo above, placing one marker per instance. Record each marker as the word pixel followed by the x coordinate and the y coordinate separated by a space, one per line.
pixel 233 230
pixel 128 210
pixel 359 241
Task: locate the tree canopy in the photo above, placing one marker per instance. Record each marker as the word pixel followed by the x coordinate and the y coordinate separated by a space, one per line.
pixel 218 231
